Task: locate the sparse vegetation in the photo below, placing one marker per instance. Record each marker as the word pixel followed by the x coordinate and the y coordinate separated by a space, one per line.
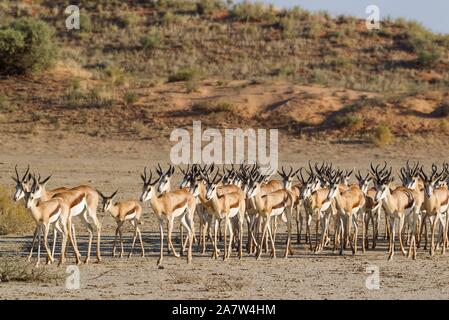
pixel 348 121
pixel 139 46
pixel 14 218
pixel 382 136
pixel 185 74
pixel 130 98
pixel 150 42
pixel 209 106
pixel 17 270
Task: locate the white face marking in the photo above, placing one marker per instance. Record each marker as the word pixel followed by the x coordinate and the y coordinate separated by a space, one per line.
pixel 210 192
pixel 381 192
pixel 332 193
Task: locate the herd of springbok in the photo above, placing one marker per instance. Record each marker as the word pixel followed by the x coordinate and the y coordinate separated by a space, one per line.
pixel 235 195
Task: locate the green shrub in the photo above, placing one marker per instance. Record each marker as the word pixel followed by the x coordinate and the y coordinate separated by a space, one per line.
pixel 209 106
pixel 185 74
pixel 208 6
pixel 128 20
pixel 428 58
pixel 382 136
pixel 348 121
pixel 256 11
pixel 26 46
pixel 130 98
pixel 85 22
pixel 150 42
pixel 6 105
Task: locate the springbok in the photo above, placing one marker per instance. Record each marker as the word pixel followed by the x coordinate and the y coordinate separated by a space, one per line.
pixel 287 181
pixel 348 204
pixel 277 203
pixel 397 204
pixel 53 213
pixel 436 204
pixel 123 211
pixel 372 210
pixel 169 206
pixel 225 206
pixel 83 202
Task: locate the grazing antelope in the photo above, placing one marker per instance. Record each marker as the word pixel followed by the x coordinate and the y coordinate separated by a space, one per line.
pixel 225 206
pixel 53 213
pixel 436 204
pixel 123 211
pixel 83 202
pixel 398 204
pixel 348 204
pixel 276 203
pixel 169 206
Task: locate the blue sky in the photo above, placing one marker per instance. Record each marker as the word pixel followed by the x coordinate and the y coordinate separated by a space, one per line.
pixel 434 14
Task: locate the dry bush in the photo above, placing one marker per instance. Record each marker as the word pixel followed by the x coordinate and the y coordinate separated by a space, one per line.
pixel 209 106
pixel 17 270
pixel 382 136
pixel 14 218
pixel 130 98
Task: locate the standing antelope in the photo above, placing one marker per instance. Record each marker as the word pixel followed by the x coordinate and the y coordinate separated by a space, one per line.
pixel 397 204
pixel 225 206
pixel 53 213
pixel 123 211
pixel 83 202
pixel 349 204
pixel 276 203
pixel 371 212
pixel 287 180
pixel 436 204
pixel 169 206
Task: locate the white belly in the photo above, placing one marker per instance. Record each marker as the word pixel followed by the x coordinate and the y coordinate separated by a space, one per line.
pixel 55 217
pixel 409 210
pixel 443 209
pixel 278 211
pixel 79 208
pixel 233 212
pixel 179 211
pixel 355 210
pixel 325 205
pixel 130 216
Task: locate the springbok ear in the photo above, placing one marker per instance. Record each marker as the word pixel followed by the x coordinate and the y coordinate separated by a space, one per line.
pixel 15 179
pixel 172 170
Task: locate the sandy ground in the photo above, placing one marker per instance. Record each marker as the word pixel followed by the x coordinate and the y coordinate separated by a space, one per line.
pixel 108 165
